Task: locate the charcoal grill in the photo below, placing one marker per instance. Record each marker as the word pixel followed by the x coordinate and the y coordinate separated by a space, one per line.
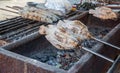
pixel 87 62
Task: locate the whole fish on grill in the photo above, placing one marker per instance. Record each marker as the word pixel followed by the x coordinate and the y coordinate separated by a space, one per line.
pixel 65 35
pixel 39 14
pixel 103 13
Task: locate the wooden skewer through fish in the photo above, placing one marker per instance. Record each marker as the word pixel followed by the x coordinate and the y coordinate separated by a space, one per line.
pixel 9 10
pixel 13 8
pixel 91 36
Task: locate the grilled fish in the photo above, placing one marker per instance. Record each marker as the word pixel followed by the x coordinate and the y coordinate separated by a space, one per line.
pixel 43 15
pixel 103 13
pixel 65 35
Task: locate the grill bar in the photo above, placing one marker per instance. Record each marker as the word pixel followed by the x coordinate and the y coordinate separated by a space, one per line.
pixel 14 24
pixel 24 29
pixel 17 28
pixel 8 22
pixel 22 41
pixel 21 30
pixel 11 25
pixel 22 34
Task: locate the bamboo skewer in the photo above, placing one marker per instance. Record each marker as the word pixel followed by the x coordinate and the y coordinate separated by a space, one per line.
pixel 15 7
pixel 11 7
pixel 9 11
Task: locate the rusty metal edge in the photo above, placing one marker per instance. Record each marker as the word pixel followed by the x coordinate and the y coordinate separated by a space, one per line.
pixel 31 61
pixel 85 58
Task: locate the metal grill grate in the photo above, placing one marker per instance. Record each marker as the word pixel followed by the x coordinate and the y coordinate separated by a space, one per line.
pixel 16 28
